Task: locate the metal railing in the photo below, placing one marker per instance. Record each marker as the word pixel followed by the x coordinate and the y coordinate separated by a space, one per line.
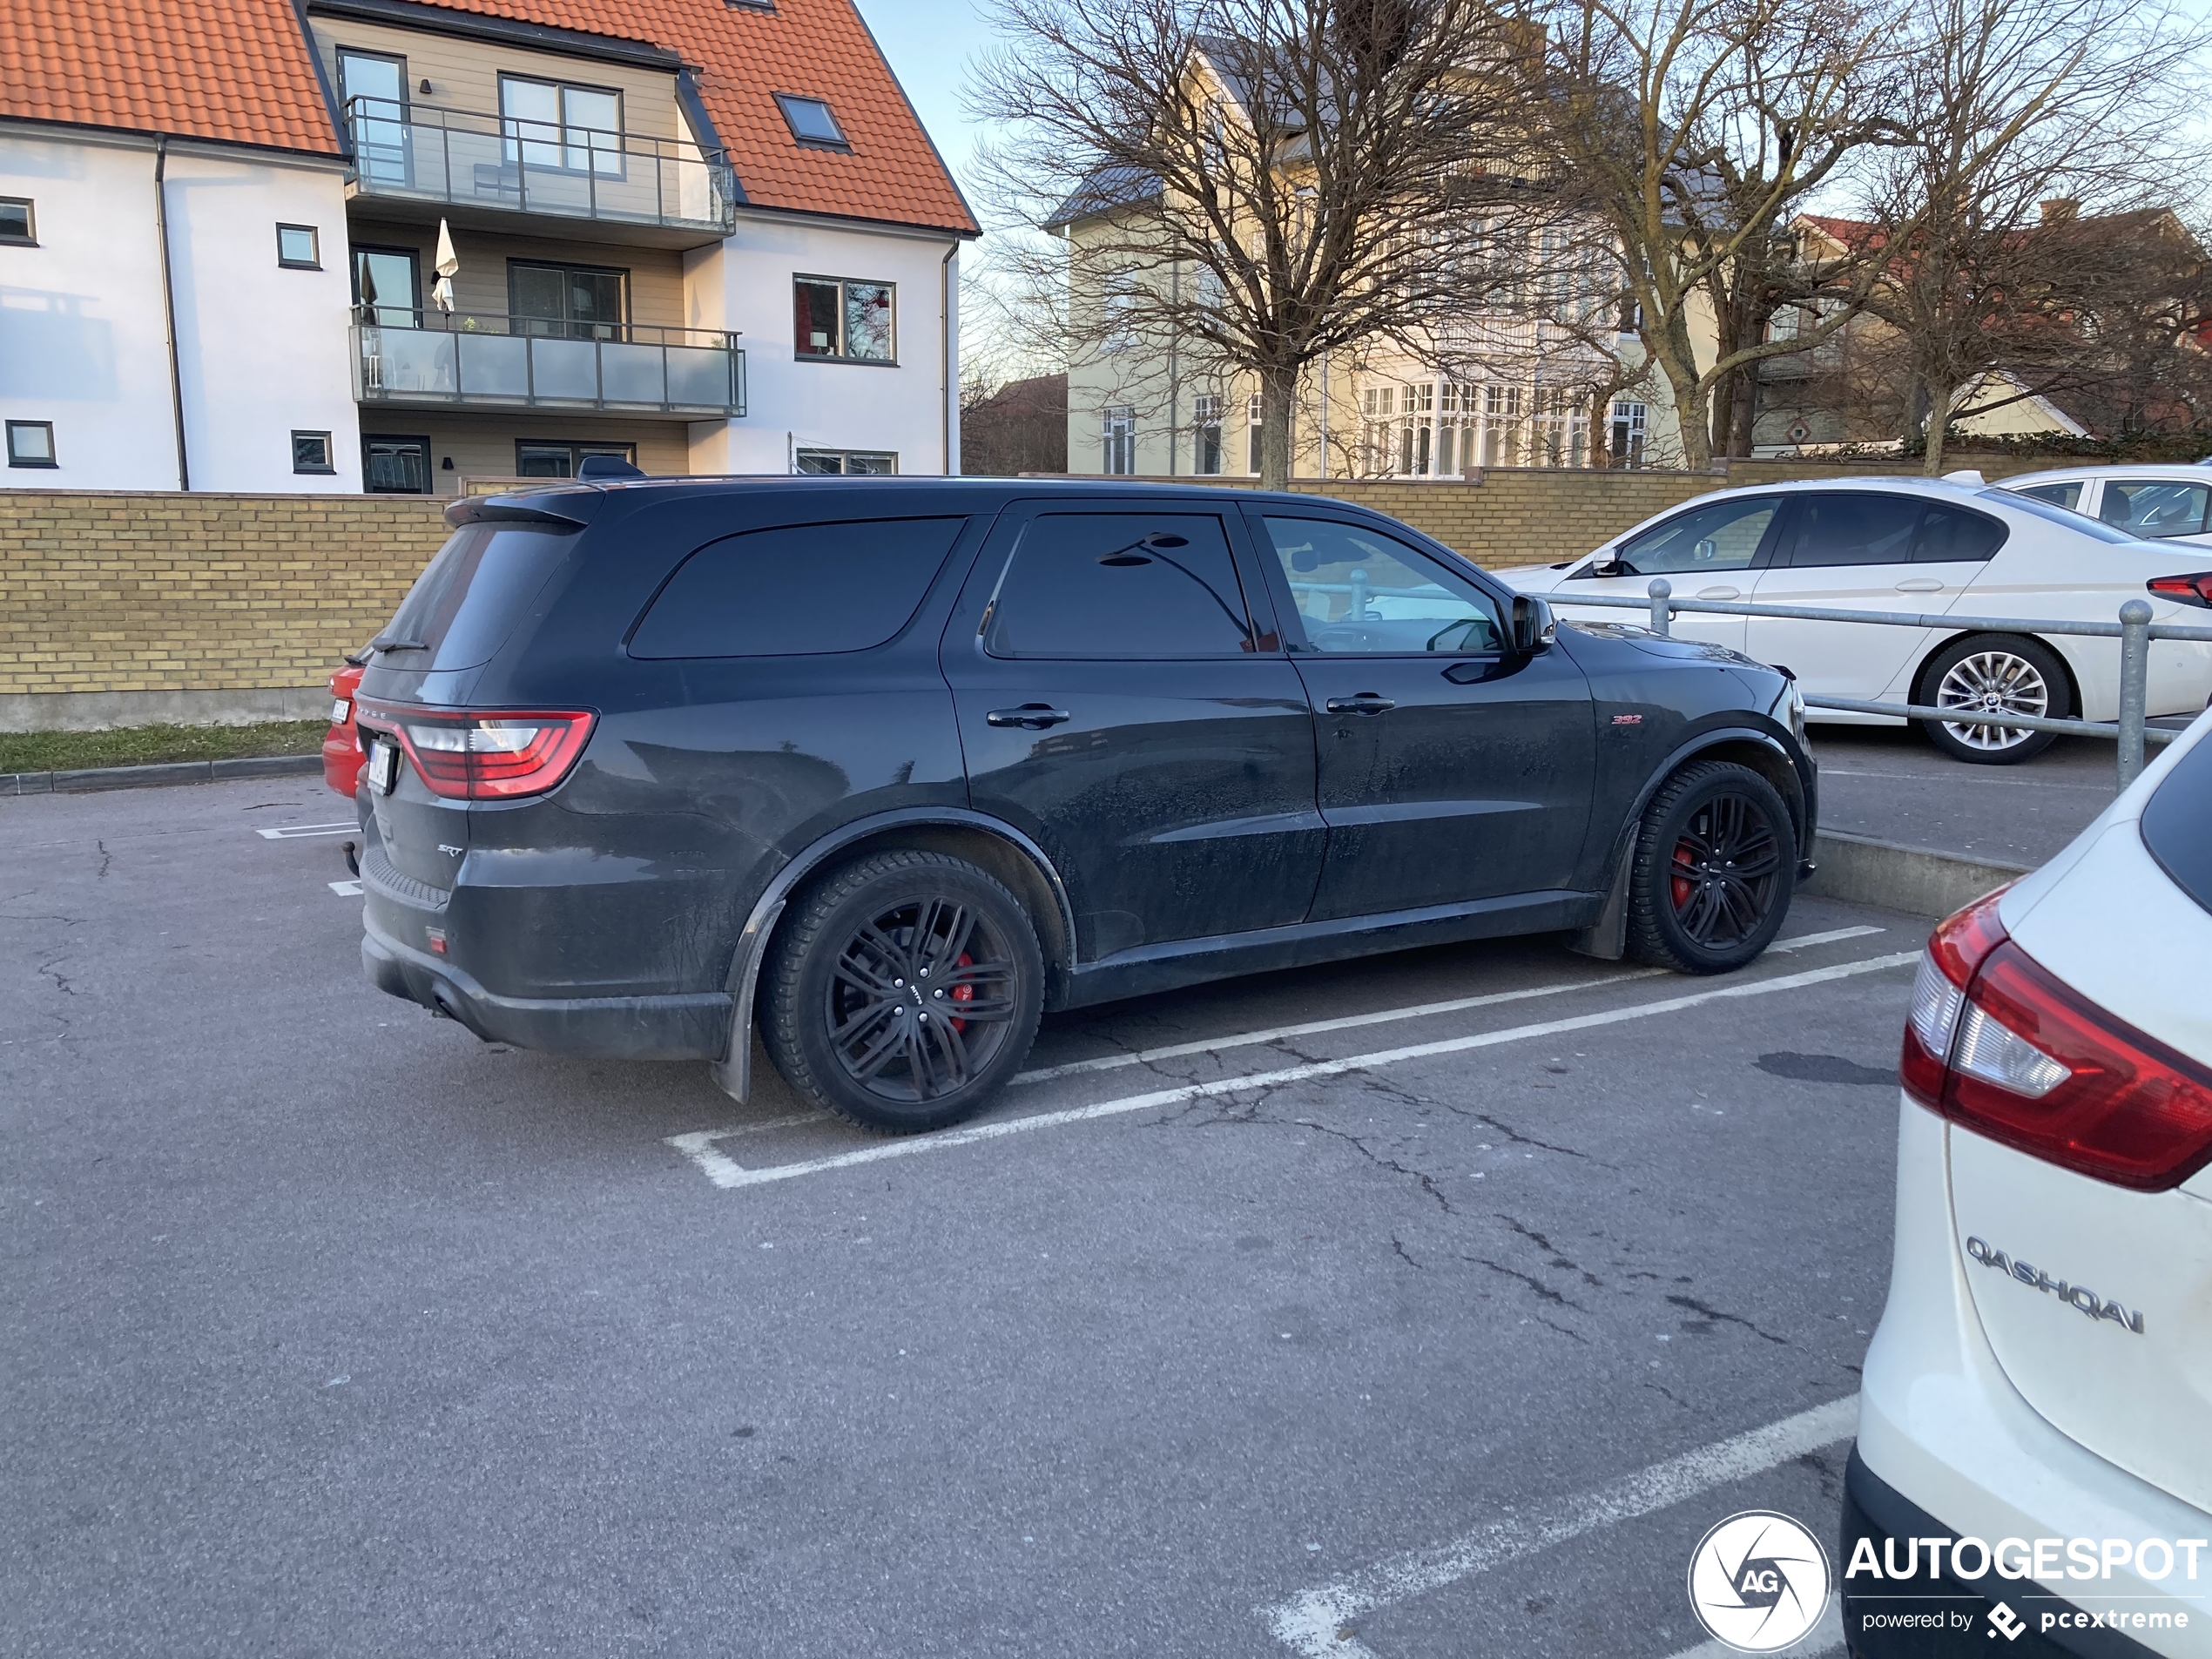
pixel 466 158
pixel 488 359
pixel 2135 631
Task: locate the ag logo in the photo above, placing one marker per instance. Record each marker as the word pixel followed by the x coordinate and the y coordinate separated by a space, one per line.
pixel 1759 1581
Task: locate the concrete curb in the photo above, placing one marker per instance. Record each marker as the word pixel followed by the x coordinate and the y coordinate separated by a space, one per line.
pixel 183 771
pixel 1918 880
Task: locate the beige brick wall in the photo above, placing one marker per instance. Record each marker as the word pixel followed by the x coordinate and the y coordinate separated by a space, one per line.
pixel 156 592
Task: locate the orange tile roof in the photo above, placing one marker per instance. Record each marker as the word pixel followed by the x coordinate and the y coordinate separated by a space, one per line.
pixel 745 54
pixel 238 70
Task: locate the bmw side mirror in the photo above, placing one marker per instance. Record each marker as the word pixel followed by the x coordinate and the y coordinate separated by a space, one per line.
pixel 1610 565
pixel 1533 628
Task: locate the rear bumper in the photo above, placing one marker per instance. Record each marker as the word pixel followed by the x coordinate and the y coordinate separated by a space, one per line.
pixel 684 1026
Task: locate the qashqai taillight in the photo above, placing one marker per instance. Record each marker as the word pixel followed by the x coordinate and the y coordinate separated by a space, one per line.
pixel 493 754
pixel 1999 1043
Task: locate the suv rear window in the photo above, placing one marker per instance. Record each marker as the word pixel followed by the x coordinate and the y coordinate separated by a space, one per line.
pixel 468 599
pixel 2174 824
pixel 799 590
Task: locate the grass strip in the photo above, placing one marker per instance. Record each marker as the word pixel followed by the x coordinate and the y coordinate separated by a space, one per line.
pixel 146 745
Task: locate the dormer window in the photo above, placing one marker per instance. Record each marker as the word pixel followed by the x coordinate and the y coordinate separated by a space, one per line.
pixel 810 122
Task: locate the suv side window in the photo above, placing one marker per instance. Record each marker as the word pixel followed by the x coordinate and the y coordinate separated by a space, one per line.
pixel 1358 590
pixel 1851 527
pixel 1119 586
pixel 797 590
pixel 2153 507
pixel 1724 537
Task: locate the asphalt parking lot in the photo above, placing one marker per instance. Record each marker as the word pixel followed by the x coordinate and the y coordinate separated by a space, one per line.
pixel 1429 1306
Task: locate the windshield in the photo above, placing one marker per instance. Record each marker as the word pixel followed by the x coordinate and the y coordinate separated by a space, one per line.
pixel 2081 523
pixel 464 606
pixel 2174 821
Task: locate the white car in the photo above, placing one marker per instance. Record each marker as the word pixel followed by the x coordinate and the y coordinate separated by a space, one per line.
pixel 2171 501
pixel 1918 546
pixel 2035 1417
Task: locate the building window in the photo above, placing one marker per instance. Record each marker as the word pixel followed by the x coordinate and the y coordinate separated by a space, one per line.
pixel 810 122
pixel 1251 435
pixel 1205 446
pixel 1381 409
pixel 30 444
pixel 855 464
pixel 568 301
pixel 299 247
pixel 569 128
pixel 373 88
pixel 539 459
pixel 18 223
pixel 1120 440
pixel 839 320
pixel 311 452
pixel 396 466
pixel 1501 425
pixel 1629 419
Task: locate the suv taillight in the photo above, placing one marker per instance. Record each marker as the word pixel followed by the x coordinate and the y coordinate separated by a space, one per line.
pixel 495 754
pixel 1998 1042
pixel 2189 589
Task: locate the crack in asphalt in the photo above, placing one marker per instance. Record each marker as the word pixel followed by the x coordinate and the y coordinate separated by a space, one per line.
pixel 1558 1258
pixel 1704 1311
pixel 1398 1244
pixel 1426 1181
pixel 1530 1280
pixel 1516 1136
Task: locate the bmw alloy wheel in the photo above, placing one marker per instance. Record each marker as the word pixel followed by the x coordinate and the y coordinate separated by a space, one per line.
pixel 1990 685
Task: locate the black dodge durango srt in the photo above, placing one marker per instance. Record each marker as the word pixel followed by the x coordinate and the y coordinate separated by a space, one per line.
pixel 888 767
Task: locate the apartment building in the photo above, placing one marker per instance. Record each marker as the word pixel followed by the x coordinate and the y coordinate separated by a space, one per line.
pixel 392 245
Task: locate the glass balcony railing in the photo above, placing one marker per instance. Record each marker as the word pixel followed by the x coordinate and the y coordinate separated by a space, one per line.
pixel 464 158
pixel 480 359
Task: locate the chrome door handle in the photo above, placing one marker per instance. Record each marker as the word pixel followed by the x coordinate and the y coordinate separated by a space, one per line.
pixel 1030 716
pixel 1919 584
pixel 1364 703
pixel 1720 593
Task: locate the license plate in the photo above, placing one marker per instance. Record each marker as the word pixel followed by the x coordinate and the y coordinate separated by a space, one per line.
pixel 341 712
pixel 383 767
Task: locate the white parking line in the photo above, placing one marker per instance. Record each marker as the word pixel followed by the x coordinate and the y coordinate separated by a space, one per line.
pixel 293 832
pixel 1824 1638
pixel 346 889
pixel 1316 1623
pixel 724 1172
pixel 1417 1011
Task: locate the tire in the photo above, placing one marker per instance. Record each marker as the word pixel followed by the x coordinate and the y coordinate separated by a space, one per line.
pixel 850 1018
pixel 1716 863
pixel 1994 673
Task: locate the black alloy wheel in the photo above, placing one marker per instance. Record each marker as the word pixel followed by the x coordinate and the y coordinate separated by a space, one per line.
pixel 904 991
pixel 1715 865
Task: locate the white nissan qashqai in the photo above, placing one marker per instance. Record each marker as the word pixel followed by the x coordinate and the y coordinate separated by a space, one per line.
pixel 2033 1470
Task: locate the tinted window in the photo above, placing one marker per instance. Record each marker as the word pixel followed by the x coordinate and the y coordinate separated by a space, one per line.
pixel 1949 534
pixel 2153 507
pixel 1358 589
pixel 1859 527
pixel 800 591
pixel 1119 584
pixel 2067 494
pixel 1724 536
pixel 2175 819
pixel 2080 524
pixel 468 599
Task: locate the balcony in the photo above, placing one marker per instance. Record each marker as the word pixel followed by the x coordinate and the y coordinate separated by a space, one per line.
pixel 435 360
pixel 417 162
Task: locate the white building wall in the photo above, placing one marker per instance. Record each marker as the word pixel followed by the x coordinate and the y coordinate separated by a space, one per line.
pixel 82 337
pixel 263 349
pixel 792 403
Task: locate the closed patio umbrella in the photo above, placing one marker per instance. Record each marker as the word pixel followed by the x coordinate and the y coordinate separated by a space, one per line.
pixel 448 264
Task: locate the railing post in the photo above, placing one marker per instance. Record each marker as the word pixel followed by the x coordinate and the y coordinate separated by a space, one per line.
pixel 2134 677
pixel 1661 614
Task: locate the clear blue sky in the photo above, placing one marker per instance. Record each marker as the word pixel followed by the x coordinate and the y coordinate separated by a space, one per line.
pixel 929 43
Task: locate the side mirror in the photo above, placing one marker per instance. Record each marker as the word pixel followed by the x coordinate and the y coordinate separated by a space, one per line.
pixel 1534 627
pixel 1611 564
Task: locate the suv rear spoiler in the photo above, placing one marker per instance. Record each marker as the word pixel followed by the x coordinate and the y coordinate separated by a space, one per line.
pixel 509 510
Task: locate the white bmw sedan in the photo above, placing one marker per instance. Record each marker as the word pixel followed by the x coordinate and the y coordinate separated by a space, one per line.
pixel 2034 1455
pixel 1917 547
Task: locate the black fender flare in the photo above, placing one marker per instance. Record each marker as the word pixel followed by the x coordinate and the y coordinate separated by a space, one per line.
pixel 733 1071
pixel 1607 937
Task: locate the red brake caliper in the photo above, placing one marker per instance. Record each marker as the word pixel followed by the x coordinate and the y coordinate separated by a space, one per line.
pixel 963 992
pixel 1681 884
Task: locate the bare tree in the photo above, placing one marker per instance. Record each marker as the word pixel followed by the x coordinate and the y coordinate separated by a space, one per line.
pixel 1256 184
pixel 2032 123
pixel 1691 130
